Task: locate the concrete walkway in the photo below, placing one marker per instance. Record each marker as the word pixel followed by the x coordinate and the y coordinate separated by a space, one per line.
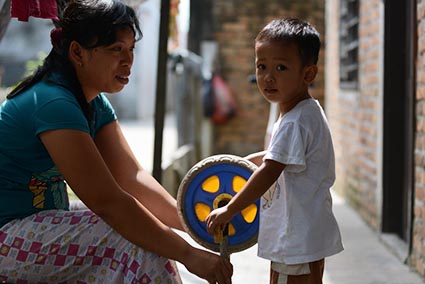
pixel 365 259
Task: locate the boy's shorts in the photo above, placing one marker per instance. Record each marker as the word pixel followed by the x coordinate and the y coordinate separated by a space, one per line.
pixel 305 273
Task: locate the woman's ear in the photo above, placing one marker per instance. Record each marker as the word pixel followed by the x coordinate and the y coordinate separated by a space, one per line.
pixel 310 73
pixel 76 53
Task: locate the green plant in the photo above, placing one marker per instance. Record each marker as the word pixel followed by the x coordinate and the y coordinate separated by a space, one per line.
pixel 71 194
pixel 32 65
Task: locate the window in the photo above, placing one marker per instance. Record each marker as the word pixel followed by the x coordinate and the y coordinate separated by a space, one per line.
pixel 349 43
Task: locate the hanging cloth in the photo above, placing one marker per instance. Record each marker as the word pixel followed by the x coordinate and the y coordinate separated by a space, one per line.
pixel 23 9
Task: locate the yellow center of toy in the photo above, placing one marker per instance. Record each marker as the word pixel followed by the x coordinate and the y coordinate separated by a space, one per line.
pixel 221 200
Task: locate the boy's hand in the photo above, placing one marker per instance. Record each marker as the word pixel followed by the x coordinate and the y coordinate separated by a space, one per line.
pixel 217 219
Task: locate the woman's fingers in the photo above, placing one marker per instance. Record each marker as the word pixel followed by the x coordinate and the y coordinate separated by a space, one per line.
pixel 222 273
pixel 210 267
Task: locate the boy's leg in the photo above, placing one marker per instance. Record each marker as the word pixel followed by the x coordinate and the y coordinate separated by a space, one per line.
pixel 308 273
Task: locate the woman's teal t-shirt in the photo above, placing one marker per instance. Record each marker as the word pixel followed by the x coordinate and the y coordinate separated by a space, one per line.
pixel 29 180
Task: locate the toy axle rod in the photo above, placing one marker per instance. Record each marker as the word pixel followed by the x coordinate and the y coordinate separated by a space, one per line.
pixel 224 243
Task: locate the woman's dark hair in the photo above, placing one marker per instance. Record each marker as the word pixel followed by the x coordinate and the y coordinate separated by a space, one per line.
pixel 292 30
pixel 91 23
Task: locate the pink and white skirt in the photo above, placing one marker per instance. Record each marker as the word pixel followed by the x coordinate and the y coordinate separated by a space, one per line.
pixel 76 247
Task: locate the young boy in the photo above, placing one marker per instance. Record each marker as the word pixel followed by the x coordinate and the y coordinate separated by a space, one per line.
pixel 297 226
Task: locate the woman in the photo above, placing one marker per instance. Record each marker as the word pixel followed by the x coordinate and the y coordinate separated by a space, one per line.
pixel 56 126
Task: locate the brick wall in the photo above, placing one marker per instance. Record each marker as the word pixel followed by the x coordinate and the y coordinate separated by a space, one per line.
pixel 356 121
pixel 417 258
pixel 354 115
pixel 236 24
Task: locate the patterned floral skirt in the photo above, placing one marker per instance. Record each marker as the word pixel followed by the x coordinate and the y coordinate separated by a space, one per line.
pixel 76 247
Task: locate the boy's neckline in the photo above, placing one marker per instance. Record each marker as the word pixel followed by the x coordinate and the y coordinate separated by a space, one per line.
pixel 306 98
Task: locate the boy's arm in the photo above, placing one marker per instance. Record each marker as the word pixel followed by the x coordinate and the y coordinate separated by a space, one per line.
pixel 256 158
pixel 257 185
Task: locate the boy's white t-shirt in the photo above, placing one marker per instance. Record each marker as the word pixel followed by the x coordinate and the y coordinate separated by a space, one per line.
pixel 297 224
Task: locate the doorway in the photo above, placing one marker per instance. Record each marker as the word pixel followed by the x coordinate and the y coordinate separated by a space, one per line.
pixel 399 117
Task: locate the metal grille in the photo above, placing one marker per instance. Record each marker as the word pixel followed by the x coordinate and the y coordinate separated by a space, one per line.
pixel 349 43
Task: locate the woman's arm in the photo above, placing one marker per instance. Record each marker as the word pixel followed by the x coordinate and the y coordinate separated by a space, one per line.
pixel 82 166
pixel 256 158
pixel 132 178
pixel 77 157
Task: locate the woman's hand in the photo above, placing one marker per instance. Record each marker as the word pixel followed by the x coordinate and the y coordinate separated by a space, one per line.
pixel 209 266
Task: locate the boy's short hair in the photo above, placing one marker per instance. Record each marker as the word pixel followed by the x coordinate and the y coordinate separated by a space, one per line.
pixel 292 30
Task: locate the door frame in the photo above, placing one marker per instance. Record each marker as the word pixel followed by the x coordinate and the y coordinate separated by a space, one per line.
pixel 399 118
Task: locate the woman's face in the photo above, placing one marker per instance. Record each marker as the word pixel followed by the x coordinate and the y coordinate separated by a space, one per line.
pixel 107 68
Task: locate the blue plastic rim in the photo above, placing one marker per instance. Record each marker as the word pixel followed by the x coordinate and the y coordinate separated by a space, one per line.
pixel 195 194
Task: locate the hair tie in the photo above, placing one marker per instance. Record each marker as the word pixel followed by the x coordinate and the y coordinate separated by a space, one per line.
pixel 56 38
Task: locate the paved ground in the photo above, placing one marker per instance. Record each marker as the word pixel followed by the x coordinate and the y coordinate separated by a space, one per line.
pixel 365 259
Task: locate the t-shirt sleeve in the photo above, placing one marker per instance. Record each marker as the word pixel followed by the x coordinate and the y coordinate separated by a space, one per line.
pixel 104 112
pixel 61 113
pixel 288 146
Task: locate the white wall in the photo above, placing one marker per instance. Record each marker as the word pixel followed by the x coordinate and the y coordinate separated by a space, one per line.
pixel 137 99
pixel 23 41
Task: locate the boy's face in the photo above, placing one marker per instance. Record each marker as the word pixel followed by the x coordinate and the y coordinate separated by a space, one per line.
pixel 281 77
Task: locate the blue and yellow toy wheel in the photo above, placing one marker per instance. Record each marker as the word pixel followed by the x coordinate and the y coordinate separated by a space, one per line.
pixel 210 184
